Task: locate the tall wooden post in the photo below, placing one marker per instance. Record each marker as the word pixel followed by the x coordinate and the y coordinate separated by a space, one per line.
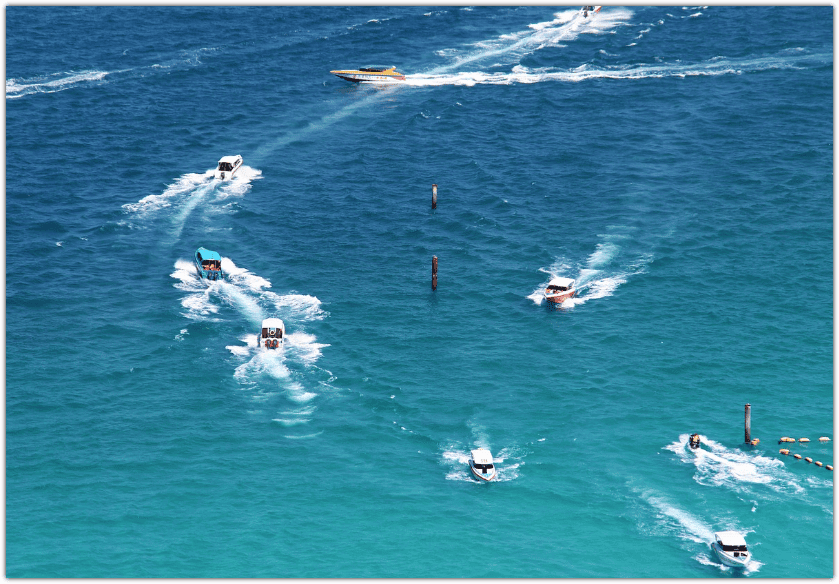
pixel 433 196
pixel 434 273
pixel 748 423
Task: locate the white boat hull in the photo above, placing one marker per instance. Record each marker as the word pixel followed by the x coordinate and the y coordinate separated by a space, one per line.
pixel 370 78
pixel 483 477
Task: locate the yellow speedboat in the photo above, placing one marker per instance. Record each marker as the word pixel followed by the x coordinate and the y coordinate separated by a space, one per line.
pixel 371 74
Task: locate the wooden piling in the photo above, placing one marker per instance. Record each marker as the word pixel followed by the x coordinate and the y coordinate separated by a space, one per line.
pixel 748 423
pixel 433 196
pixel 434 272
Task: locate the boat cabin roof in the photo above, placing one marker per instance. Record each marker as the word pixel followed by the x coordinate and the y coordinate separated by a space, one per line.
pixel 563 282
pixel 230 159
pixel 272 323
pixel 375 69
pixel 729 538
pixel 206 254
pixel 481 456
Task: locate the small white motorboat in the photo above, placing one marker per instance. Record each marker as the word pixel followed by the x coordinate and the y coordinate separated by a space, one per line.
pixel 731 549
pixel 227 166
pixel 481 465
pixel 586 10
pixel 559 290
pixel 272 334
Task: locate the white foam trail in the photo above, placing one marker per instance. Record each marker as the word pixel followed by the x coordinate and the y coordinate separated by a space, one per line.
pixel 244 303
pixel 239 185
pixel 192 190
pixel 523 75
pixel 317 125
pixel 692 528
pixel 710 559
pixel 566 26
pixel 735 469
pixel 507 461
pixel 458 463
pixel 184 185
pixel 304 346
pixel 263 363
pixel 604 271
pixel 16 88
pixel 242 277
pixel 302 306
pixel 193 200
pixel 197 302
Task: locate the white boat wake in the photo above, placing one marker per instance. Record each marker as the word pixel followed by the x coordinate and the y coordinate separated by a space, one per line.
pixel 55 82
pixel 290 372
pixel 455 459
pixel 735 469
pixel 672 520
pixel 603 272
pixel 188 192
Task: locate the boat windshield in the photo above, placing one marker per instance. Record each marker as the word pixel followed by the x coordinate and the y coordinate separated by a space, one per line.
pixel 482 466
pixel 225 166
pixel 559 288
pixel 733 548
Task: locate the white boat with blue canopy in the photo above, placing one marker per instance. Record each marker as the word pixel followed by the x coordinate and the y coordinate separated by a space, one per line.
pixel 208 264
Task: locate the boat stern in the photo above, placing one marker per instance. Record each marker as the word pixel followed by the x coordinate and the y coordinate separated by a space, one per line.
pixel 272 333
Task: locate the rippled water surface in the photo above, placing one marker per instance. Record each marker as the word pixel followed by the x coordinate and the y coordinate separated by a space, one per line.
pixel 675 161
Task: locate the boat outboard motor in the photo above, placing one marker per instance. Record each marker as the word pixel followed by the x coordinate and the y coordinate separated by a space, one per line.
pixel 222 175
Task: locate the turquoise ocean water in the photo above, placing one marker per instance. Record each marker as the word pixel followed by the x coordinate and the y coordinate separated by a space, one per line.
pixel 676 161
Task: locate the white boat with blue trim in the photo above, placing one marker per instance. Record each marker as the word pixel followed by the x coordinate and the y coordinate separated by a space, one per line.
pixel 482 466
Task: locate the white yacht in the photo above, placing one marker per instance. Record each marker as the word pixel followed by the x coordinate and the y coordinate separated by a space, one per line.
pixel 731 549
pixel 481 465
pixel 227 166
pixel 272 334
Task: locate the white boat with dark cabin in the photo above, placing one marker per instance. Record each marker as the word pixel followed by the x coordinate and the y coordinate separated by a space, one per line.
pixel 272 334
pixel 227 167
pixel 586 10
pixel 559 290
pixel 482 465
pixel 731 549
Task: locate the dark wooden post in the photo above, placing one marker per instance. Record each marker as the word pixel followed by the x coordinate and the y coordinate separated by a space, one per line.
pixel 434 273
pixel 748 423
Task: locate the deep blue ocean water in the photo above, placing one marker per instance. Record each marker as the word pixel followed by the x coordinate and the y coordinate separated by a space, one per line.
pixel 675 161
